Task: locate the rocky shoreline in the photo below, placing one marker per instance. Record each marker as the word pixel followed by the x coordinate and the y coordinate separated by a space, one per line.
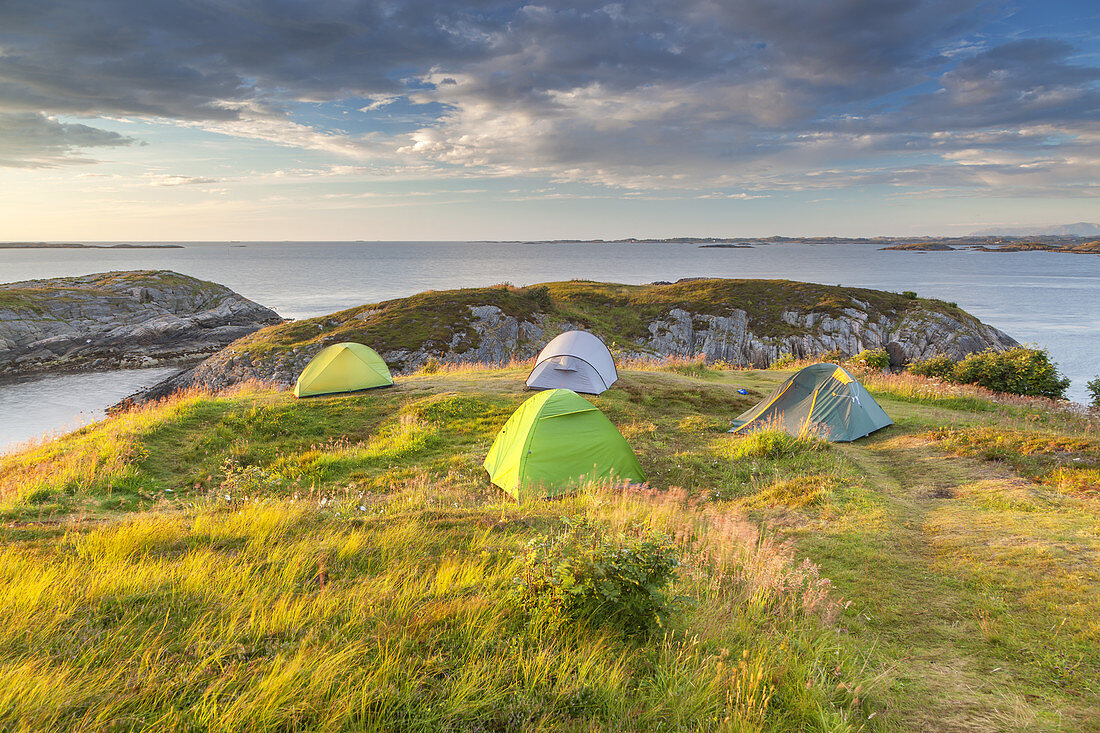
pixel 120 320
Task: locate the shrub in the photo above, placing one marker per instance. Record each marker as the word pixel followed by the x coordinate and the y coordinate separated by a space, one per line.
pixel 940 366
pixel 540 294
pixel 782 362
pixel 909 294
pixel 834 356
pixel 873 358
pixel 591 574
pixel 1093 386
pixel 431 366
pixel 1021 371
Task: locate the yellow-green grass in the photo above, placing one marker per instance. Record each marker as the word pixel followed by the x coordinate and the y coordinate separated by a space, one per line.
pixel 249 561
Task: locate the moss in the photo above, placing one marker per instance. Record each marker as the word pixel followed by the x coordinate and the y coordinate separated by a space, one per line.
pixel 24 299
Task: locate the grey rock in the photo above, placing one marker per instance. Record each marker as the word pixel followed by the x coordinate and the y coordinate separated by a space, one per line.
pixel 119 319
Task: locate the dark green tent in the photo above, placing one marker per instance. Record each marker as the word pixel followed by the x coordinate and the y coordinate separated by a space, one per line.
pixel 824 396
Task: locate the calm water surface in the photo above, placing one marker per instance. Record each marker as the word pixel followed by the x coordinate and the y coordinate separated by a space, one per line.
pixel 1048 299
pixel 57 404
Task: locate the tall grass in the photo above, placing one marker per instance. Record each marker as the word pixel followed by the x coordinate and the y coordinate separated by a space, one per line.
pixel 282 614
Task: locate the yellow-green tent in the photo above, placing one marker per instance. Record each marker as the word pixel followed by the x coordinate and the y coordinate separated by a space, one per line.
pixel 345 367
pixel 554 441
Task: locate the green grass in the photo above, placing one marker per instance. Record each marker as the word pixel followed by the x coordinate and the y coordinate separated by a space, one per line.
pixel 253 562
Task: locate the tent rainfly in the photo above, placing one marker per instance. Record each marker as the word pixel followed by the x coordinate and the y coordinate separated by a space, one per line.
pixel 574 360
pixel 824 395
pixel 346 367
pixel 554 441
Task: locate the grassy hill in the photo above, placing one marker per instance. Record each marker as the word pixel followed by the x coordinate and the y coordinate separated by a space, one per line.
pixel 246 561
pixel 617 313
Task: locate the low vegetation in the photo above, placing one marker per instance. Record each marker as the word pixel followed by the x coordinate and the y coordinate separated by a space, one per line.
pixel 246 561
pixel 1022 371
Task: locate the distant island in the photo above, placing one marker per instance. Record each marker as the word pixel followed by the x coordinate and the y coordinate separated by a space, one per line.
pixel 923 247
pixel 1072 246
pixel 1086 248
pixel 76 245
pixel 1076 244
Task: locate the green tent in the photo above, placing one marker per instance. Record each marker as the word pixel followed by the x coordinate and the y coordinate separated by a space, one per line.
pixel 554 441
pixel 345 367
pixel 824 395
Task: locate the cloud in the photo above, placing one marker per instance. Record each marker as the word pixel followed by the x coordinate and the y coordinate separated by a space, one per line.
pixel 746 95
pixel 34 140
pixel 166 180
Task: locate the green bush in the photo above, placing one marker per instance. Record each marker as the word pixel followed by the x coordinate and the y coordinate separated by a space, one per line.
pixel 909 294
pixel 934 366
pixel 591 574
pixel 1021 371
pixel 834 356
pixel 1093 386
pixel 873 358
pixel 540 294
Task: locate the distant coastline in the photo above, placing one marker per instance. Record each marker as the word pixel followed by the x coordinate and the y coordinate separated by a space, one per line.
pixel 987 243
pixel 77 245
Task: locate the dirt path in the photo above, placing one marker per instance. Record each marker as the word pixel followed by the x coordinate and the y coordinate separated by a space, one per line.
pixel 927 599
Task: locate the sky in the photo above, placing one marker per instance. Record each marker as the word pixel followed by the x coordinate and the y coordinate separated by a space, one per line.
pixel 131 120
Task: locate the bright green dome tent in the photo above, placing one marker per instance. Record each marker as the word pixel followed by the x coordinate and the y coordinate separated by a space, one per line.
pixel 345 367
pixel 555 440
pixel 824 395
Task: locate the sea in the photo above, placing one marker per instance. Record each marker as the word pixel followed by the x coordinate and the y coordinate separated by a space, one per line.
pixel 1046 299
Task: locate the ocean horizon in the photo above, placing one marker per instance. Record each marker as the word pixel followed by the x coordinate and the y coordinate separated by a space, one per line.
pixel 1040 298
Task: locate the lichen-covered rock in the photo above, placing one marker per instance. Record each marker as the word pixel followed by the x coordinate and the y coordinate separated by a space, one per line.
pixel 119 319
pixel 917 335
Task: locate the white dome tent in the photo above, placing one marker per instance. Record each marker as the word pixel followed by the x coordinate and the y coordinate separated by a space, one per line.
pixel 574 360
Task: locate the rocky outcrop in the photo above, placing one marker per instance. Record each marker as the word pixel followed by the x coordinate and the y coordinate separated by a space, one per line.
pixel 918 334
pixel 119 319
pixel 487 334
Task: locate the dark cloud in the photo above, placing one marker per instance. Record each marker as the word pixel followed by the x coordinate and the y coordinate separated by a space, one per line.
pixel 203 60
pixel 740 92
pixel 32 140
